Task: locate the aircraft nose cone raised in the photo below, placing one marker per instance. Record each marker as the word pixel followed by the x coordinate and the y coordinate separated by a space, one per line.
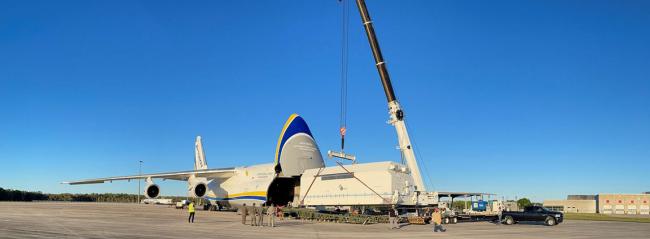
pixel 297 150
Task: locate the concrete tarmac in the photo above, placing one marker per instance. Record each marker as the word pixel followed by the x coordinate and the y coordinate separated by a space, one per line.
pixel 113 220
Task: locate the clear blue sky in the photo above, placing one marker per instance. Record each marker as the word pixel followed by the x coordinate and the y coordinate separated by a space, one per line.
pixel 532 99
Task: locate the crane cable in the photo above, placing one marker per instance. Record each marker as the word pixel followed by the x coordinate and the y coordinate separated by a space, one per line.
pixel 344 71
pixel 302 202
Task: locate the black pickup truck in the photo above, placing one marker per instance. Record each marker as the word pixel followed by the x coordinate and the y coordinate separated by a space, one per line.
pixel 533 213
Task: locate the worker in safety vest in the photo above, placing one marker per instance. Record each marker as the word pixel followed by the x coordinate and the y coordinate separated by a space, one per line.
pixel 190 209
pixel 436 218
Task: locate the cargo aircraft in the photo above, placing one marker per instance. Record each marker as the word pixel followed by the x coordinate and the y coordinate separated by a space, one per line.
pixel 296 151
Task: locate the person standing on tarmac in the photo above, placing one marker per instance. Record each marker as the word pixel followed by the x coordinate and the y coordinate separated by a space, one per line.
pixel 260 216
pixel 253 212
pixel 190 209
pixel 392 218
pixel 500 214
pixel 244 212
pixel 271 213
pixel 280 212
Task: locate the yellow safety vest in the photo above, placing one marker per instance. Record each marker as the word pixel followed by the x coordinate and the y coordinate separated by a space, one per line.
pixel 190 208
pixel 437 217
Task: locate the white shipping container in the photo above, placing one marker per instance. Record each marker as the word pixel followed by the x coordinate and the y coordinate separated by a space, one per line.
pixel 333 186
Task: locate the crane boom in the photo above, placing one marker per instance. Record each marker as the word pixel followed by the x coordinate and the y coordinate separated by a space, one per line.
pixel 394 108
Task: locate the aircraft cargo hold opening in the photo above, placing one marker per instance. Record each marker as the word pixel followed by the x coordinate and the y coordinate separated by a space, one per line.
pixel 283 190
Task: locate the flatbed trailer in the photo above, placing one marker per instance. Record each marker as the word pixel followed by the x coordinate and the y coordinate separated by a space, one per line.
pixel 308 214
pixel 469 215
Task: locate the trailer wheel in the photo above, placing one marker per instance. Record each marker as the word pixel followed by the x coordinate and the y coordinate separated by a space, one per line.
pixel 550 221
pixel 454 220
pixel 509 220
pixel 445 220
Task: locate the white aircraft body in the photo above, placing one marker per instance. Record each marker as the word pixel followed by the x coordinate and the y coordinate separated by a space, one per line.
pixel 296 151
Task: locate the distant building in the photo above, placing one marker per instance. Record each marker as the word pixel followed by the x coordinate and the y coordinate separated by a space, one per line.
pixel 164 201
pixel 605 203
pixel 624 204
pixel 581 197
pixel 575 206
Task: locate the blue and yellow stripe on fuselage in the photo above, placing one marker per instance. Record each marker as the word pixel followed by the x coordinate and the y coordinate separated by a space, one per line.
pixel 259 195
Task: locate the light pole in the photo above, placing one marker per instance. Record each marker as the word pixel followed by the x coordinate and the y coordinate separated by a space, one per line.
pixel 139 179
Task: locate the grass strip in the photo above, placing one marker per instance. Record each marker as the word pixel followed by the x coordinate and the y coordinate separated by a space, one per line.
pixel 603 217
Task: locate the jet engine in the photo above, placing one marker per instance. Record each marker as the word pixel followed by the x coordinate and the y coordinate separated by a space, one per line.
pixel 200 189
pixel 152 191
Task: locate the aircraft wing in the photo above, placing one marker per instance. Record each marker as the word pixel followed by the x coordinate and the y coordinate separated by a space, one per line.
pixel 182 175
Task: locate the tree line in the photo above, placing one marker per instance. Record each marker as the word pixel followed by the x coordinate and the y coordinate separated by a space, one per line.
pixel 19 195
